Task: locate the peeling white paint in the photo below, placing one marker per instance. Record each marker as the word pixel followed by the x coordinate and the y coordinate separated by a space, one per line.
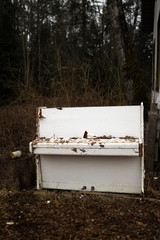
pixel 100 148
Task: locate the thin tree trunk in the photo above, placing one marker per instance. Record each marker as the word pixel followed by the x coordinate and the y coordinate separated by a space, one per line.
pixel 121 42
pixel 84 23
pixel 24 60
pixel 135 17
pixel 39 42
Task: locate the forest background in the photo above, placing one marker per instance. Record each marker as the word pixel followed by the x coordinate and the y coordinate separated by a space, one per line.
pixel 69 53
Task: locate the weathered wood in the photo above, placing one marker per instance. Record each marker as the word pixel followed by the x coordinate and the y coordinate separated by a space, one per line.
pixel 151 140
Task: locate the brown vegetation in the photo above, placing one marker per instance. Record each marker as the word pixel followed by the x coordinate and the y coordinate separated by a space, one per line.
pixel 18 119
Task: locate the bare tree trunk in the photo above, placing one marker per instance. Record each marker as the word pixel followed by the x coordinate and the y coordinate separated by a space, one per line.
pixel 28 69
pixel 136 16
pixel 26 34
pixel 84 23
pixel 118 38
pixel 24 59
pixel 39 41
pixel 122 43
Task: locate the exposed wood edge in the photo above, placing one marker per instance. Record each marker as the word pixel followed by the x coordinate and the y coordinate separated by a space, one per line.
pixel 140 149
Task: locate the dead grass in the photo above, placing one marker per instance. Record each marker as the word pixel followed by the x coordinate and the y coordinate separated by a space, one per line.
pixel 18 119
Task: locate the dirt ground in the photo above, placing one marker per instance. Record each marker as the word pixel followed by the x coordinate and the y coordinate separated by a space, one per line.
pixel 31 214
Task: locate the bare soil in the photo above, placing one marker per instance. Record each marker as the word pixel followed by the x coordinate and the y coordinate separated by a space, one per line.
pixel 31 214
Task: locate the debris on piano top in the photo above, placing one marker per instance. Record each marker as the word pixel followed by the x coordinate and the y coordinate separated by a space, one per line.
pixel 89 140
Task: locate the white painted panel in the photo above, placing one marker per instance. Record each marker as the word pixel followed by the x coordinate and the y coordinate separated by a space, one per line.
pixel 114 149
pixel 87 152
pixel 118 121
pixel 106 174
